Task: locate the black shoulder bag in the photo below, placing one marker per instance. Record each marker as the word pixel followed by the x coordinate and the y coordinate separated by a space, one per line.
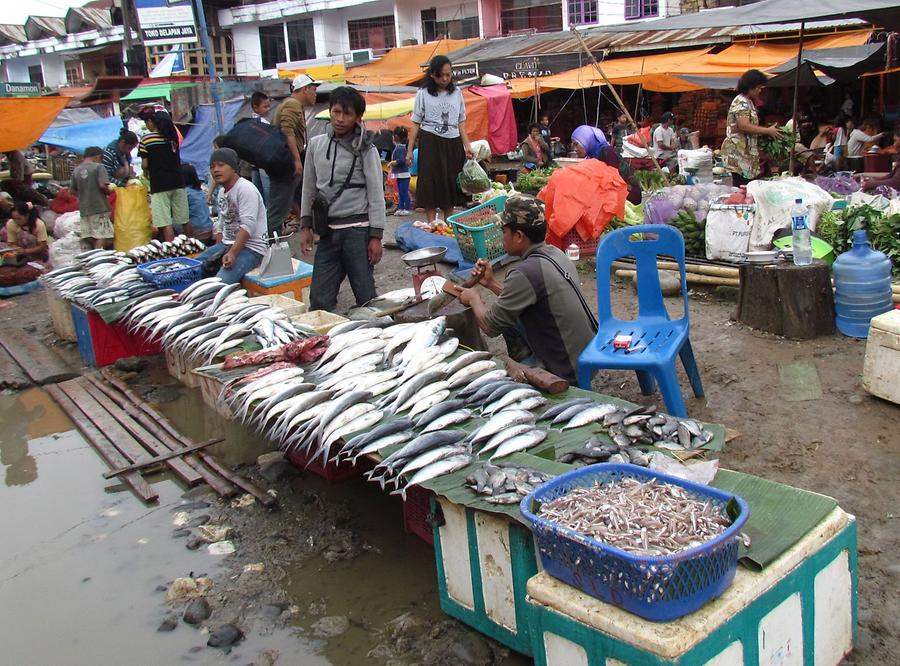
pixel 321 204
pixel 587 309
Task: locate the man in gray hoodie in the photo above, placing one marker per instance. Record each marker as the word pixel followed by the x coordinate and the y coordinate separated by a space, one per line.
pixel 344 168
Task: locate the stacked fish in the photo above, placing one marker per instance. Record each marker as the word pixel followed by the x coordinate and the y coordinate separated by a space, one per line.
pixel 503 484
pixel 180 246
pixel 208 320
pixel 98 278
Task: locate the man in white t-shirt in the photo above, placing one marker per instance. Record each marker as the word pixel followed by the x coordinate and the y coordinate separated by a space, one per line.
pixel 664 139
pixel 242 216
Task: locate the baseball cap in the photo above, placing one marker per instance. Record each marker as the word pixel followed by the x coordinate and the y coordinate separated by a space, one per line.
pixel 668 115
pixel 523 210
pixel 303 80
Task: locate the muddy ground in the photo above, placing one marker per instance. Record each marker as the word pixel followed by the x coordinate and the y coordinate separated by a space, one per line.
pixel 320 543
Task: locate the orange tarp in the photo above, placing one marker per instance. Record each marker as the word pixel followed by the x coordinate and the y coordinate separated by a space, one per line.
pixel 659 72
pixel 585 197
pixel 476 114
pixel 403 65
pixel 24 119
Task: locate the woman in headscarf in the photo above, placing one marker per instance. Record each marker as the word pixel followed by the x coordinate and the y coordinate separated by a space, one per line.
pixel 590 142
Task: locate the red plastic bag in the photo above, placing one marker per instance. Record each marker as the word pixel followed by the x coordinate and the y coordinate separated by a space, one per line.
pixel 64 202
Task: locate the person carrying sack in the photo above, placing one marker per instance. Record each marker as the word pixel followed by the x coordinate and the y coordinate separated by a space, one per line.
pixel 343 202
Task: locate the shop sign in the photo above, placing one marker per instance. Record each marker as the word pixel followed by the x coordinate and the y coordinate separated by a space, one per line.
pixel 166 21
pixel 463 71
pixel 26 89
pixel 529 67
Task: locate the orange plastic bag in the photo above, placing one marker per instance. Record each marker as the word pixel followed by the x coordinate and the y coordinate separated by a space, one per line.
pixel 131 220
pixel 585 196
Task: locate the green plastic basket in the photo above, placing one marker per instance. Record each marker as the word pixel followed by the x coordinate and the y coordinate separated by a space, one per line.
pixel 477 235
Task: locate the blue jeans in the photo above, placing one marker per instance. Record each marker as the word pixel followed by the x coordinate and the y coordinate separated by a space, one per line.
pixel 244 262
pixel 280 199
pixel 261 180
pixel 403 193
pixel 342 253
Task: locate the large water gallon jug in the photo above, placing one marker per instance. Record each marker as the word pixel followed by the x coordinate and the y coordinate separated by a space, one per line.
pixel 862 278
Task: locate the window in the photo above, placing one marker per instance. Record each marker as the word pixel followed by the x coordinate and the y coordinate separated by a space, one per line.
pixel 112 64
pixel 271 45
pixel 539 15
pixel 583 11
pixel 374 33
pixel 36 75
pixel 429 25
pixel 301 40
pixel 636 9
pixel 73 73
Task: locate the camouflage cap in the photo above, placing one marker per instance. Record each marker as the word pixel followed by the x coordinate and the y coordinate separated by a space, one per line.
pixel 523 210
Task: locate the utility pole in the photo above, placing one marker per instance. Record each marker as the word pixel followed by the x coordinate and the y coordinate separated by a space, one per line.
pixel 134 64
pixel 210 64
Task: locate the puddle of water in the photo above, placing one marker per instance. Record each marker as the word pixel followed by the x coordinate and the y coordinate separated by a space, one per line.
pixel 81 558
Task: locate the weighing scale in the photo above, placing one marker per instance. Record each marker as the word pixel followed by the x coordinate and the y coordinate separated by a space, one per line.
pixel 277 261
pixel 427 280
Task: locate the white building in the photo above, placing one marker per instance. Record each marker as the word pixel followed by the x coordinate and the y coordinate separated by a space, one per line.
pixel 267 34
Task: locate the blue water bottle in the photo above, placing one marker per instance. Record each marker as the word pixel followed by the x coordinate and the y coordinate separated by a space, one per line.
pixel 862 279
pixel 800 241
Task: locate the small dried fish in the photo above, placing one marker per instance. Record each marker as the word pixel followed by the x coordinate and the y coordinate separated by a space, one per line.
pixel 648 518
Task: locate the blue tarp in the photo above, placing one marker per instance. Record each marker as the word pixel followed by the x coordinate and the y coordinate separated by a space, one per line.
pixel 197 146
pixel 78 137
pixel 409 238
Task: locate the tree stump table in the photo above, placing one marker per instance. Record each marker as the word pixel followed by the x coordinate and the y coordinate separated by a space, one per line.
pixel 793 301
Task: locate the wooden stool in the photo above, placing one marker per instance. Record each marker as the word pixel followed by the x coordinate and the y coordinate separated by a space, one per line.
pixel 793 301
pixel 289 284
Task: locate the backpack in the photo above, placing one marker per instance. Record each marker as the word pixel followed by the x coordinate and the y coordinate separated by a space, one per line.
pixel 261 144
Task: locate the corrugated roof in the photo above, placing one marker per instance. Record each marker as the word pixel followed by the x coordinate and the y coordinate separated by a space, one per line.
pixel 79 19
pixel 39 27
pixel 12 34
pixel 599 39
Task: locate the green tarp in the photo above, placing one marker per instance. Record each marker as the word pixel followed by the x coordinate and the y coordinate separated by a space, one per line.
pixel 155 91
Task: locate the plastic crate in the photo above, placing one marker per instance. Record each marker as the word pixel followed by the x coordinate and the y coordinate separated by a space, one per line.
pixel 587 248
pixel 177 280
pixel 291 307
pixel 103 344
pixel 659 588
pixel 329 471
pixel 477 235
pixel 417 514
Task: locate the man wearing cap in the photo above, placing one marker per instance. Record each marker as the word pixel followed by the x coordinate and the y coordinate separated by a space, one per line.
pixel 242 215
pixel 291 120
pixel 540 300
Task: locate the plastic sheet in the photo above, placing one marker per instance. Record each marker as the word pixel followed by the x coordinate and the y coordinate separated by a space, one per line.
pixel 585 197
pixel 409 238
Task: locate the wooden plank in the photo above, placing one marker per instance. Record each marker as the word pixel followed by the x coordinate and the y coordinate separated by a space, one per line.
pixel 98 415
pixel 41 364
pixel 264 498
pixel 102 445
pixel 11 374
pixel 180 468
pixel 159 459
pixel 215 481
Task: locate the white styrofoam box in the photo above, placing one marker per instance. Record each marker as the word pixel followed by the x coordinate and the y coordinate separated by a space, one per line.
pixel 455 555
pixel 834 612
pixel 733 654
pixel 882 365
pixel 561 650
pixel 781 634
pixel 496 569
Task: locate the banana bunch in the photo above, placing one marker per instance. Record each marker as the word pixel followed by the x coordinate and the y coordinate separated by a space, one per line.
pixel 694 233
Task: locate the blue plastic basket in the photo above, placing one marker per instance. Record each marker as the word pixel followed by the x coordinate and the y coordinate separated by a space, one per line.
pixel 177 280
pixel 660 588
pixel 479 238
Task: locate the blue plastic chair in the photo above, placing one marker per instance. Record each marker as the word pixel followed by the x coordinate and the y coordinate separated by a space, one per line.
pixel 657 339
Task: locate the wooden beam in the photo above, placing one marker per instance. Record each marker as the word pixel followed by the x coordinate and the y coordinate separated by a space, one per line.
pixel 180 468
pixel 41 364
pixel 101 444
pixel 215 481
pixel 161 458
pixel 264 498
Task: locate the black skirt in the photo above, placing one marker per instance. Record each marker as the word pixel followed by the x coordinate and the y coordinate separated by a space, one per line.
pixel 440 161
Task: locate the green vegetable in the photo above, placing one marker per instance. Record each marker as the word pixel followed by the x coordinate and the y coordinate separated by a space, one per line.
pixel 779 149
pixel 533 181
pixel 650 181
